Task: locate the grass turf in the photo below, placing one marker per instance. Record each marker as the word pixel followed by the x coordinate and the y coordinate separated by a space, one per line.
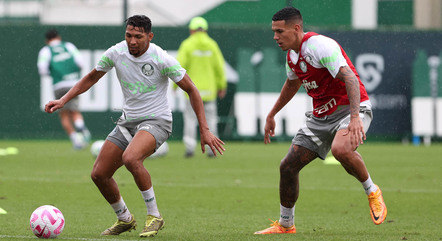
pixel 227 198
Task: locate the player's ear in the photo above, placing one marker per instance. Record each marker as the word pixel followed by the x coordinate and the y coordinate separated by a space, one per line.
pixel 150 36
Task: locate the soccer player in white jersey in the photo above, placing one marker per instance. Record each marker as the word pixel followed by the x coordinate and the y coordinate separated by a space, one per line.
pixel 143 70
pixel 341 114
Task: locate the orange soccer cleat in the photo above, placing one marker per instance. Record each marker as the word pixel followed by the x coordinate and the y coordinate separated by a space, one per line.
pixel 276 227
pixel 378 210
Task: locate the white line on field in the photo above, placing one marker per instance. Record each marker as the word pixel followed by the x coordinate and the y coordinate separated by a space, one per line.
pixel 86 239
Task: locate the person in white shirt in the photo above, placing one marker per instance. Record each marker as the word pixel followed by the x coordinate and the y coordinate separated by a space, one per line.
pixel 143 70
pixel 61 61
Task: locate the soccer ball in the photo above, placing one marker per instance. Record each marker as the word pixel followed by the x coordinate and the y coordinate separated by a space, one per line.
pixel 161 151
pixel 96 147
pixel 47 222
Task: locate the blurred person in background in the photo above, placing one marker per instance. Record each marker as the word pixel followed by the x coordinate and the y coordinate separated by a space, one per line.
pixel 143 70
pixel 62 62
pixel 341 114
pixel 200 55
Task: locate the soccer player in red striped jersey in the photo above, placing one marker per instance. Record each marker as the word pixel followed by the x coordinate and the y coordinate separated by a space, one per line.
pixel 341 114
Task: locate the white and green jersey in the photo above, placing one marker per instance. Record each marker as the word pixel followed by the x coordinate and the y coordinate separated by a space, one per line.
pixel 60 60
pixel 143 79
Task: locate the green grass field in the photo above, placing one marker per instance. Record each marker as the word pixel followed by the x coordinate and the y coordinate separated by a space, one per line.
pixel 227 198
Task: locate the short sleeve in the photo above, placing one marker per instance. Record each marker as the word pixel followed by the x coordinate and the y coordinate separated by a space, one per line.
pixel 330 55
pixel 76 54
pixel 44 58
pixel 171 68
pixel 106 61
pixel 290 74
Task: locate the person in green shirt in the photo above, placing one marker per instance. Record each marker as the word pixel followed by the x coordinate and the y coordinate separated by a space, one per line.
pixel 201 56
pixel 61 62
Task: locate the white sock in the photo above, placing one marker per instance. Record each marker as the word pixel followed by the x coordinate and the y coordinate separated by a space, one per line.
pixel 151 202
pixel 79 124
pixel 369 186
pixel 121 210
pixel 72 136
pixel 287 218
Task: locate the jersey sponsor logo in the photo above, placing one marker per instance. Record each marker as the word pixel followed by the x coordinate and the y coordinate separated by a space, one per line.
pixel 309 85
pixel 326 107
pixel 147 69
pixel 138 87
pixel 61 57
pixel 303 66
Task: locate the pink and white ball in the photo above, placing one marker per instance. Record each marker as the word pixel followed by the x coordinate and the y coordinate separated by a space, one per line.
pixel 47 222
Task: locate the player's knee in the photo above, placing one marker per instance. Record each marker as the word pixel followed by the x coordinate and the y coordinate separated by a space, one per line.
pixel 288 165
pixel 97 176
pixel 340 152
pixel 130 161
pixel 284 166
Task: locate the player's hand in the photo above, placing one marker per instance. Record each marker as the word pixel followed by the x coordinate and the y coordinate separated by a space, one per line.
pixel 215 144
pixel 356 131
pixel 269 129
pixel 53 105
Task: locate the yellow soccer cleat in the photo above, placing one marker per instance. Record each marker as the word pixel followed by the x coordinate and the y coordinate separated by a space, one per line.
pixel 120 227
pixel 153 225
pixel 378 210
pixel 275 227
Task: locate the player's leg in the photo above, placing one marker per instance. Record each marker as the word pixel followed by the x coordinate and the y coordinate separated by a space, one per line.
pixel 212 121
pixel 296 158
pixel 80 126
pixel 66 123
pixel 350 159
pixel 353 163
pixel 143 145
pixel 65 119
pixel 108 161
pixel 77 119
pixel 189 132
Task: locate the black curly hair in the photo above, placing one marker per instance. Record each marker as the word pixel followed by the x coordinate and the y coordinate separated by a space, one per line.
pixel 141 21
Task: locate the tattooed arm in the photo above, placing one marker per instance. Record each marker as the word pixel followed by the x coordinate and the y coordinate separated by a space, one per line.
pixel 355 128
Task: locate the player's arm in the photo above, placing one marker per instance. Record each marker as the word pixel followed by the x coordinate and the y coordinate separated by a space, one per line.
pixel 76 54
pixel 206 136
pixel 84 84
pixel 43 61
pixel 355 128
pixel 289 90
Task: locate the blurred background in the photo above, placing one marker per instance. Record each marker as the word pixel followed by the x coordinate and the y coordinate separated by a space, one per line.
pixel 396 46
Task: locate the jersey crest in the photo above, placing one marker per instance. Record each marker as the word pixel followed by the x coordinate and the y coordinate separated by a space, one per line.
pixel 147 69
pixel 303 66
pixel 327 92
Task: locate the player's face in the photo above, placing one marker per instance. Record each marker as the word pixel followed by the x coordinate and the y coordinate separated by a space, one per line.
pixel 137 40
pixel 284 34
